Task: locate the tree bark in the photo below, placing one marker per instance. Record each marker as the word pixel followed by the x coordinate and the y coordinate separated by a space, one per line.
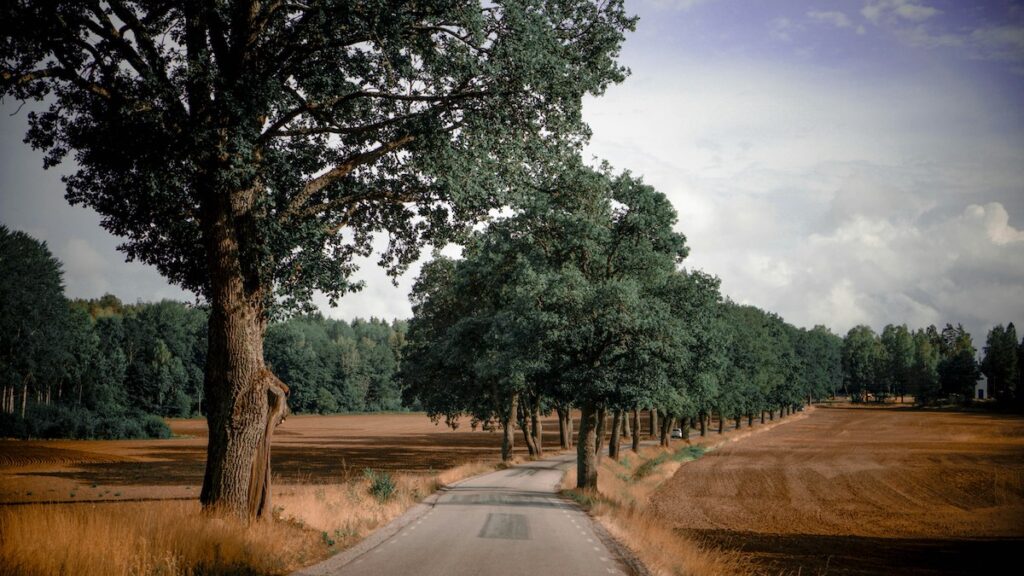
pixel 739 421
pixel 636 430
pixel 537 428
pixel 564 432
pixel 703 425
pixel 524 425
pixel 762 416
pixel 684 425
pixel 613 445
pixel 771 414
pixel 602 417
pixel 586 457
pixel 750 418
pixel 508 434
pixel 721 422
pixel 666 429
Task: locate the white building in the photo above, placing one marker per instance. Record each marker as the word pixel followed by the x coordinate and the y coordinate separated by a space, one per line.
pixel 981 388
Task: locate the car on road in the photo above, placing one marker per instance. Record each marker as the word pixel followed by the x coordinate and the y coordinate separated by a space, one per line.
pixel 677 432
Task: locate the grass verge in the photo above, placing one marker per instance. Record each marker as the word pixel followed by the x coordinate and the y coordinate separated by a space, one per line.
pixel 166 538
pixel 621 504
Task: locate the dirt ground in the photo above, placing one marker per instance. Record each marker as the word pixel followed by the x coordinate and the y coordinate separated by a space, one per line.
pixel 307 449
pixel 860 490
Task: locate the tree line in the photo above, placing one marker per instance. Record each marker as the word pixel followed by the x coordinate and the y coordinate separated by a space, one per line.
pixel 578 300
pixel 930 364
pixel 101 368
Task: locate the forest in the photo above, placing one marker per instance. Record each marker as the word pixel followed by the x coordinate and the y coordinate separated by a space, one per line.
pixel 102 368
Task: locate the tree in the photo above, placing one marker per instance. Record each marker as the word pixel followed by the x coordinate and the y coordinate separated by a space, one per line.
pixel 899 357
pixel 860 355
pixel 269 141
pixel 33 319
pixel 1000 364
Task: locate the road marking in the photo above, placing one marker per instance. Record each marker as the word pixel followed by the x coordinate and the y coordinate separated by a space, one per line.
pixel 591 540
pixel 596 549
pixel 603 559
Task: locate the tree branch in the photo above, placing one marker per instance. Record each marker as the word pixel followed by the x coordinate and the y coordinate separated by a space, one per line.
pixel 340 171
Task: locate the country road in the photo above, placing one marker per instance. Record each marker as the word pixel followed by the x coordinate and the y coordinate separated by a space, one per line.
pixel 506 523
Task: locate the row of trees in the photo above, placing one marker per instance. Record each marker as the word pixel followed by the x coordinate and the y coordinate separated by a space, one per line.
pixel 930 364
pixel 577 301
pixel 99 368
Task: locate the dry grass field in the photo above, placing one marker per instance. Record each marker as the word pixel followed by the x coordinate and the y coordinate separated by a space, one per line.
pixel 859 490
pixel 130 507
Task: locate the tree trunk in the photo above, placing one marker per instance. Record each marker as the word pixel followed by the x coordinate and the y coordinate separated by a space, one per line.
pixel 771 414
pixel 508 433
pixel 636 430
pixel 524 425
pixel 626 428
pixel 703 425
pixel 24 397
pixel 684 424
pixel 564 433
pixel 762 416
pixel 602 416
pixel 654 422
pixel 666 429
pixel 613 445
pixel 721 423
pixel 586 457
pixel 750 418
pixel 739 421
pixel 536 428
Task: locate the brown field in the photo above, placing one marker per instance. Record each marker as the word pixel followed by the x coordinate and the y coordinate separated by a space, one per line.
pixel 307 450
pixel 859 490
pixel 131 507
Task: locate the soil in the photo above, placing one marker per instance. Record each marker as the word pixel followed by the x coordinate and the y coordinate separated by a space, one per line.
pixel 860 490
pixel 307 449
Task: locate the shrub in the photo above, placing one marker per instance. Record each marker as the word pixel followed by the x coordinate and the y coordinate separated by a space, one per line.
pixel 382 486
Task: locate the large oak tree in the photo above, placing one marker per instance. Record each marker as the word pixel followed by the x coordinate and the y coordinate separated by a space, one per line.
pixel 250 150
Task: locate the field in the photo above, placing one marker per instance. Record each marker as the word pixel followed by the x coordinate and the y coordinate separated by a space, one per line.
pixel 306 450
pixel 859 490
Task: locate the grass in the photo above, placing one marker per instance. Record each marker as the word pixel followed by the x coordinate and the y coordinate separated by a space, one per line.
pixel 175 538
pixel 621 505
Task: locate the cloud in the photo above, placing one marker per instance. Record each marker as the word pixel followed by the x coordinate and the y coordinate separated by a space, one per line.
pixel 878 11
pixel 84 268
pixel 781 28
pixel 836 19
pixel 829 198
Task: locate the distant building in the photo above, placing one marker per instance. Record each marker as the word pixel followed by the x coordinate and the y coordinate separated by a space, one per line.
pixel 981 388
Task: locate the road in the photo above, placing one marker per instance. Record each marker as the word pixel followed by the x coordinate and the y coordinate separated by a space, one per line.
pixel 506 523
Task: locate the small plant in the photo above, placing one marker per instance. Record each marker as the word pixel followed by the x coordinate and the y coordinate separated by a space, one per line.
pixel 328 541
pixel 689 453
pixel 117 494
pixel 382 485
pixel 650 466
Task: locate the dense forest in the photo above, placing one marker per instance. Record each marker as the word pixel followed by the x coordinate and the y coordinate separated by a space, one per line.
pixel 102 368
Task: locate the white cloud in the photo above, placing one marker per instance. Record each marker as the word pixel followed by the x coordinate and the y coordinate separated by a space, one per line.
pixel 878 11
pixel 835 18
pixel 84 267
pixel 826 198
pixel 780 29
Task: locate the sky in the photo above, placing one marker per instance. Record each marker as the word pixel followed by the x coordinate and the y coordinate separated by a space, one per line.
pixel 836 162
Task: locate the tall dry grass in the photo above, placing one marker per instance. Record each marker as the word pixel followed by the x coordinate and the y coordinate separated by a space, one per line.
pixel 621 504
pixel 164 538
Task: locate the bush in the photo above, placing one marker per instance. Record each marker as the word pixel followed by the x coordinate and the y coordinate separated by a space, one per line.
pixel 382 486
pixel 75 422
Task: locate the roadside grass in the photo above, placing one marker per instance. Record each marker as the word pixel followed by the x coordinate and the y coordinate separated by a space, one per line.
pixel 176 538
pixel 621 504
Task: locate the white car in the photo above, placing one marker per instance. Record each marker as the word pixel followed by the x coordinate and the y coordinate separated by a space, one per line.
pixel 677 432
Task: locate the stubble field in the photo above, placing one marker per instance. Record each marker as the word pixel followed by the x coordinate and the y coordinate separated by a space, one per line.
pixel 860 490
pixel 306 450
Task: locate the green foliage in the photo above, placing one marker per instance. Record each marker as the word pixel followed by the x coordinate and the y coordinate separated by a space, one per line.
pixel 1001 364
pixel 382 485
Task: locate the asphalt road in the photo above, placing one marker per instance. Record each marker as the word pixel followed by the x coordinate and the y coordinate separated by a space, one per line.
pixel 506 523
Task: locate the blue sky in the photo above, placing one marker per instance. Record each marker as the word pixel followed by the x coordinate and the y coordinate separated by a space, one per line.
pixel 836 162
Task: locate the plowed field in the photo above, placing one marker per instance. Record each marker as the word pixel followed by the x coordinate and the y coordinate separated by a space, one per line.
pixel 861 490
pixel 307 449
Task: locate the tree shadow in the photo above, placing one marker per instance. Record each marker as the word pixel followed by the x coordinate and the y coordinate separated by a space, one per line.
pixel 859 555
